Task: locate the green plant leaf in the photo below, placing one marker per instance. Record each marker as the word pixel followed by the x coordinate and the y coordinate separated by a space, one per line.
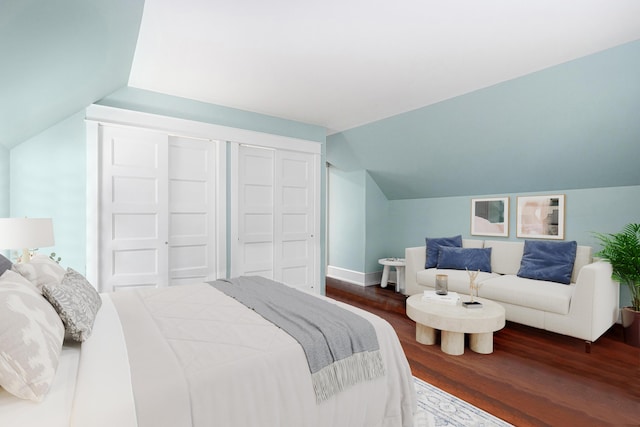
pixel 622 250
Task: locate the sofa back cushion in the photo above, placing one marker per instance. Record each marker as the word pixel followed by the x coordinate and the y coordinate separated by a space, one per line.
pixel 505 256
pixel 472 243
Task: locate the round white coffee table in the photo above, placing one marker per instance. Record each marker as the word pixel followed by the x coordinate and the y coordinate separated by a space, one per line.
pixel 399 264
pixel 454 321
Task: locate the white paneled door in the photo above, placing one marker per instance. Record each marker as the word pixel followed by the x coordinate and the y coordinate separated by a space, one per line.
pixel 157 209
pixel 133 225
pixel 275 203
pixel 255 199
pixel 294 209
pixel 192 210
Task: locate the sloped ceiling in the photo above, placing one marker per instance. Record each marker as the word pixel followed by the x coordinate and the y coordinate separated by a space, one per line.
pixel 344 63
pixel 59 56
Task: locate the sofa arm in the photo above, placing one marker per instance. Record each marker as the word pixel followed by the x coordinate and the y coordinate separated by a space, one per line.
pixel 595 304
pixel 605 302
pixel 415 259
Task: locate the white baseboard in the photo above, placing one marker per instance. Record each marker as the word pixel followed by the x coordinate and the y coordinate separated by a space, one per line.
pixel 355 277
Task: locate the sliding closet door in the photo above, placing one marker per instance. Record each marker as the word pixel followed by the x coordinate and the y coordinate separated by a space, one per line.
pixel 275 201
pixel 294 213
pixel 133 199
pixel 158 212
pixel 192 210
pixel 255 198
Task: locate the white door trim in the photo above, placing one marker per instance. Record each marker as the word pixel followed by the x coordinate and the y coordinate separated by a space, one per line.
pixel 191 128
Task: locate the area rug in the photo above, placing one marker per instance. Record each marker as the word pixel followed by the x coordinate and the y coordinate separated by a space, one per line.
pixel 437 408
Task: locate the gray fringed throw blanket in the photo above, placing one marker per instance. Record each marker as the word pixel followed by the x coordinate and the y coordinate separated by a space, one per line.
pixel 341 347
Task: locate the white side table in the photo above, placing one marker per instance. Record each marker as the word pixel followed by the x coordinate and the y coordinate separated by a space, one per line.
pixel 399 265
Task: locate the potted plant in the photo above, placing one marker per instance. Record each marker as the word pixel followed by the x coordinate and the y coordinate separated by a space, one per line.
pixel 622 250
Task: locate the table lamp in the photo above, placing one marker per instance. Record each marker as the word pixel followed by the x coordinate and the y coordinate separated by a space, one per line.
pixel 25 234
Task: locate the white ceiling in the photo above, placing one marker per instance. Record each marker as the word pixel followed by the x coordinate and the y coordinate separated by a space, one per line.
pixel 343 63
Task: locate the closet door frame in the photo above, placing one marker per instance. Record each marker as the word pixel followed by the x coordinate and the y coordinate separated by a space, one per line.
pixel 100 114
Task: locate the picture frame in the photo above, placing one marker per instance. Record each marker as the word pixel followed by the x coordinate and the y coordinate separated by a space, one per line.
pixel 541 217
pixel 490 217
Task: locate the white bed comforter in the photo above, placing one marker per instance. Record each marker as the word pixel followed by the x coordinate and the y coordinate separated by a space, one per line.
pixel 195 357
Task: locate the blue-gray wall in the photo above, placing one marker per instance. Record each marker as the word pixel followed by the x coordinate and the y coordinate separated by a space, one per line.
pixel 48 180
pixel 4 182
pixel 58 56
pixel 362 231
pixel 377 223
pixel 346 219
pixel 572 129
pixel 575 125
pixel 604 210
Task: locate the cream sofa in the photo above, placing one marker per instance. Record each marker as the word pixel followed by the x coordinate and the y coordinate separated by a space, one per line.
pixel 585 309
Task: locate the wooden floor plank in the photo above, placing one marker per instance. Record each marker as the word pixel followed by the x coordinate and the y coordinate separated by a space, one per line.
pixel 533 377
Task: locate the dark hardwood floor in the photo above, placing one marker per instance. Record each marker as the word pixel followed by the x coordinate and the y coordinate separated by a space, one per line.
pixel 533 377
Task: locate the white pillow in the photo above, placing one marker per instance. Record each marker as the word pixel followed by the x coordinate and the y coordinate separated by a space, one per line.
pixel 31 335
pixel 40 270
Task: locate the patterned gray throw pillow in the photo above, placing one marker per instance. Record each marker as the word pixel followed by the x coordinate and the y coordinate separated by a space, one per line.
pixel 31 335
pixel 76 302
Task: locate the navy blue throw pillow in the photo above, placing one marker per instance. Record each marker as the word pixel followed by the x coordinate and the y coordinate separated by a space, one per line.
pixel 434 245
pixel 473 259
pixel 551 261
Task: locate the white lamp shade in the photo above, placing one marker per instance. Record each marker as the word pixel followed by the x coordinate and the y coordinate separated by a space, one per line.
pixel 19 233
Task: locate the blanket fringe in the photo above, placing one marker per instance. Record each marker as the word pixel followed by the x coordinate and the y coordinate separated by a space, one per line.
pixel 339 375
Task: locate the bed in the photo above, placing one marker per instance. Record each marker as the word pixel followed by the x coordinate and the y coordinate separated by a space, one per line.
pixel 194 356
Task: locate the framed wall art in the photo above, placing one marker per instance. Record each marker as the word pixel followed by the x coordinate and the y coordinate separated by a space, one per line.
pixel 490 217
pixel 540 217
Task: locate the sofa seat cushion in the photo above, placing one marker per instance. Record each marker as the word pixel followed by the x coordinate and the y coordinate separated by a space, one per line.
pixel 536 294
pixel 458 280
